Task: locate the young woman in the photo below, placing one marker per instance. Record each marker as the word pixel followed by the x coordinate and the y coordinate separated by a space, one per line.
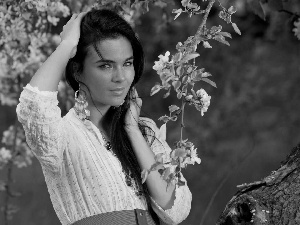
pixel 92 158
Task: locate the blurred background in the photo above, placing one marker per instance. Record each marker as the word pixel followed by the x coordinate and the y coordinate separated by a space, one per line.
pixel 250 127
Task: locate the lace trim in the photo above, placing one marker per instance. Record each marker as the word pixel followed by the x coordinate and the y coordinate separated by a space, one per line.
pixel 51 94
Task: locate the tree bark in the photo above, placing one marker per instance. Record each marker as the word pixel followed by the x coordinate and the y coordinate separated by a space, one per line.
pixel 275 200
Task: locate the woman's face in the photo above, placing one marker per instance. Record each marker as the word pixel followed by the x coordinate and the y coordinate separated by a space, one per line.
pixel 108 77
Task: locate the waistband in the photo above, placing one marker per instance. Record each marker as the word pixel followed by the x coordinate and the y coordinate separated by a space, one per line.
pixel 124 217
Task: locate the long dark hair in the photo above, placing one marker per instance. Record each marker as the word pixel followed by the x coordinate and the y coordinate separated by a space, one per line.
pixel 98 25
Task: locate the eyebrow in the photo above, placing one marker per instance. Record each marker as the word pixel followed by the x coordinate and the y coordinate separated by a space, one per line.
pixel 111 61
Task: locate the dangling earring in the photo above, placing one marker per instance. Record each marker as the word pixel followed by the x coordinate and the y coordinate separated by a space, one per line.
pixel 81 104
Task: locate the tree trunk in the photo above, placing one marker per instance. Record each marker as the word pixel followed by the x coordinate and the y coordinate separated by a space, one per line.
pixel 275 200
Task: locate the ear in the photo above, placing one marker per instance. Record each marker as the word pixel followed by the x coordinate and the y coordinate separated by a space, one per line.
pixel 75 67
pixel 76 71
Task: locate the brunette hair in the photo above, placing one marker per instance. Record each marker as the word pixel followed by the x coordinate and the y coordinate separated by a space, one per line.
pixel 99 25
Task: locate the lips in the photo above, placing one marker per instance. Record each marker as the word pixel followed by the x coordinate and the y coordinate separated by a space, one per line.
pixel 118 90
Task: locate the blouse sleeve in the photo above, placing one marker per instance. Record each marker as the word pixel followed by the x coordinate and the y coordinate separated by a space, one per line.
pixel 183 197
pixel 40 116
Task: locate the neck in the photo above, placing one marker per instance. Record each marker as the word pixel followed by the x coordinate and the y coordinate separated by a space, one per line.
pixel 99 119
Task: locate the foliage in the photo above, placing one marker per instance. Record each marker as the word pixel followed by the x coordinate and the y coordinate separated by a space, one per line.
pixel 25 42
pixel 180 75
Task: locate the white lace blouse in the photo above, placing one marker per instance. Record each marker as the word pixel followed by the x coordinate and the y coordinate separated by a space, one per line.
pixel 82 177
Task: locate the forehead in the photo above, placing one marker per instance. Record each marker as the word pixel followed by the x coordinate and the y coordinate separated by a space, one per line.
pixel 116 49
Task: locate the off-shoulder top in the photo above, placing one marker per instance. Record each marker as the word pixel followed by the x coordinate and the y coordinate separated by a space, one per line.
pixel 84 178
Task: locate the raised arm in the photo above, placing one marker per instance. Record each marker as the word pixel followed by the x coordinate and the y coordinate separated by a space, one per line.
pixel 49 74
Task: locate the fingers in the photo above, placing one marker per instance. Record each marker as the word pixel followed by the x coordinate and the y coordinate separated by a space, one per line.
pixel 135 97
pixel 134 93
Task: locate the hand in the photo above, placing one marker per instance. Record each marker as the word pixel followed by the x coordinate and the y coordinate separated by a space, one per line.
pixel 71 31
pixel 133 113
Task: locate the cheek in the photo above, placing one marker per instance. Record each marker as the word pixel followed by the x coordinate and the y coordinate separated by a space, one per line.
pixel 130 75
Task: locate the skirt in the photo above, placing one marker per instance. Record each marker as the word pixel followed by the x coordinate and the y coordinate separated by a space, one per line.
pixel 124 217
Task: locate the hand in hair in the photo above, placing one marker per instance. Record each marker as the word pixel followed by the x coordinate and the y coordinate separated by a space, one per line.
pixel 133 113
pixel 71 31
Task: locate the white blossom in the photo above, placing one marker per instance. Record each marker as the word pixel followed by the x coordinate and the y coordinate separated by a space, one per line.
pixel 163 60
pixel 205 100
pixel 5 156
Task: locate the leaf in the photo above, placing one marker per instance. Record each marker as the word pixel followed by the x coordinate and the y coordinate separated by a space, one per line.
pixel 179 71
pixel 166 173
pixel 194 93
pixel 167 94
pixel 173 118
pixel 144 175
pixel 210 82
pixel 176 84
pixel 190 69
pixel 225 34
pixel 165 119
pixel 257 8
pixel 193 6
pixel 221 39
pixel 185 3
pixel 197 76
pixel 178 11
pixel 215 29
pixel 206 74
pixel 173 108
pixel 184 79
pixel 198 107
pixel 179 95
pixel 157 166
pixel 177 56
pixel 184 88
pixel 236 29
pixel 159 157
pixel 232 10
pixel 155 89
pixel 179 152
pixel 206 44
pixel 190 56
pixel 189 144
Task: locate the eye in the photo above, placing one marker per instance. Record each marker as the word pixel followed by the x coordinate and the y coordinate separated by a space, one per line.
pixel 128 63
pixel 105 66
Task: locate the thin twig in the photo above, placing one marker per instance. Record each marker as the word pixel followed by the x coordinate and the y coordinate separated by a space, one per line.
pixel 210 4
pixel 182 117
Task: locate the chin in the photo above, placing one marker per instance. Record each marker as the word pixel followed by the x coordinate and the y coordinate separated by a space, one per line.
pixel 117 103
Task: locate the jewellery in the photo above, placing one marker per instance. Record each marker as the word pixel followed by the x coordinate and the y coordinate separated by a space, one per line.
pixel 128 178
pixel 107 144
pixel 81 104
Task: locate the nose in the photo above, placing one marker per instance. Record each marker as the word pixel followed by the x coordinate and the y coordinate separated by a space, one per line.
pixel 119 75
